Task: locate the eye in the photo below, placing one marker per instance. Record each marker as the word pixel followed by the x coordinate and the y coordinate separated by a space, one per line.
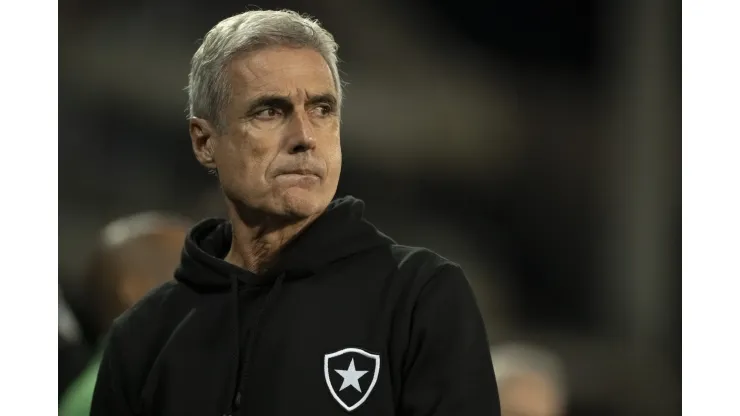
pixel 323 110
pixel 267 113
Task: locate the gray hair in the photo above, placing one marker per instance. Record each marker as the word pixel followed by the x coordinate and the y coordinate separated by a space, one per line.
pixel 512 360
pixel 208 83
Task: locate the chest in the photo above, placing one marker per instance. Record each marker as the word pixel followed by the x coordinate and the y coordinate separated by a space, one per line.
pixel 312 352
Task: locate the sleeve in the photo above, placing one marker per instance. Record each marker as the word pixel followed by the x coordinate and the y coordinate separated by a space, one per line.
pixel 448 369
pixel 110 397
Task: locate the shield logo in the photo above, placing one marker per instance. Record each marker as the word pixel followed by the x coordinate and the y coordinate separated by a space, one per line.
pixel 351 375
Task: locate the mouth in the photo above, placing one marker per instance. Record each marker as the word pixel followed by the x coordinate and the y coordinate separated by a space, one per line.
pixel 299 172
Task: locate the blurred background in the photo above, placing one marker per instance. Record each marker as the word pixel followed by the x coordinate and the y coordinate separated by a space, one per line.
pixel 536 143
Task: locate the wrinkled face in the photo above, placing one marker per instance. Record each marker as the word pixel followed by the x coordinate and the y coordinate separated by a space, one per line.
pixel 278 151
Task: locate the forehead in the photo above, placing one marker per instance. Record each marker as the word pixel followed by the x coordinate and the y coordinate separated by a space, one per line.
pixel 282 71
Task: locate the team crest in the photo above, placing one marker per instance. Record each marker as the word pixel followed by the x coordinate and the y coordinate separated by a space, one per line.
pixel 351 375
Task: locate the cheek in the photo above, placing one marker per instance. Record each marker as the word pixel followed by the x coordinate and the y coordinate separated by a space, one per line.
pixel 335 157
pixel 247 157
pixel 333 150
pixel 335 160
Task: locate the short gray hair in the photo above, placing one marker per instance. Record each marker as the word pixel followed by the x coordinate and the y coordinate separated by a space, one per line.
pixel 208 83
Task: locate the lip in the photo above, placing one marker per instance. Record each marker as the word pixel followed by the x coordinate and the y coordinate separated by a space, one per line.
pixel 303 172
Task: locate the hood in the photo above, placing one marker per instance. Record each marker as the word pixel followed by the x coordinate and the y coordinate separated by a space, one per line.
pixel 339 232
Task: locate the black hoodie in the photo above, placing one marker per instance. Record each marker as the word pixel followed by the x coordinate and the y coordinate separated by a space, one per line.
pixel 346 321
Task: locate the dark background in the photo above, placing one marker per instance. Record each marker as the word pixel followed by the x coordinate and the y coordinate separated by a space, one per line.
pixel 535 142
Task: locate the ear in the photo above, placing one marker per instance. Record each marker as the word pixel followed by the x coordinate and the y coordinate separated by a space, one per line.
pixel 202 137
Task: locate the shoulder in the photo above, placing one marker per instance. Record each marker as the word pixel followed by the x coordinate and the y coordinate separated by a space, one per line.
pixel 152 303
pixel 142 325
pixel 423 264
pixel 136 336
pixel 422 270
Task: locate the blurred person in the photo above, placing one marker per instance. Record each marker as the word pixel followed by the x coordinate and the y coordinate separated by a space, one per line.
pixel 296 304
pixel 135 254
pixel 531 381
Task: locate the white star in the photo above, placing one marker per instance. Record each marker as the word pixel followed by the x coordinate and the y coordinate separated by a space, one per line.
pixel 351 377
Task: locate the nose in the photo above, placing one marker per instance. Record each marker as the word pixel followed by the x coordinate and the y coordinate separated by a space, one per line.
pixel 300 134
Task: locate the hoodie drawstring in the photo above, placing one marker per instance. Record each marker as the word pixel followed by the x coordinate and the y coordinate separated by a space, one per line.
pixel 248 350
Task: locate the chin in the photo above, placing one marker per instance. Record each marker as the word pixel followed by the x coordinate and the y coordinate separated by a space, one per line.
pixel 301 203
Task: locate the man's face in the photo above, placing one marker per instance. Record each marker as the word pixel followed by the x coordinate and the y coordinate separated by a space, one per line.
pixel 279 150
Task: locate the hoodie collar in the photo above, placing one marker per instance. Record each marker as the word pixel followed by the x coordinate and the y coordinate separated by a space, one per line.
pixel 339 232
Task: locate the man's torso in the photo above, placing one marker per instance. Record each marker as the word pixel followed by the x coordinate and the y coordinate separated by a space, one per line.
pixel 328 344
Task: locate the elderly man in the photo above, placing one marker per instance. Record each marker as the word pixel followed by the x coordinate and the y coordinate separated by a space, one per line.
pixel 295 305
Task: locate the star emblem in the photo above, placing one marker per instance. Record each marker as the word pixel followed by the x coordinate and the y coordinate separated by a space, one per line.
pixel 338 380
pixel 351 377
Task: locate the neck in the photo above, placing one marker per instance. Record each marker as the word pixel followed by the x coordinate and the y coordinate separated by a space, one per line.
pixel 257 242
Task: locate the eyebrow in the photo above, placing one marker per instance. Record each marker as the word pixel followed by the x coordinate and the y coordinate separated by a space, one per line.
pixel 325 98
pixel 284 102
pixel 269 100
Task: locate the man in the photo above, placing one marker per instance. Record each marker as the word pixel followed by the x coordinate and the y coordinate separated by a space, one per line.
pixel 296 304
pixel 136 254
pixel 531 381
